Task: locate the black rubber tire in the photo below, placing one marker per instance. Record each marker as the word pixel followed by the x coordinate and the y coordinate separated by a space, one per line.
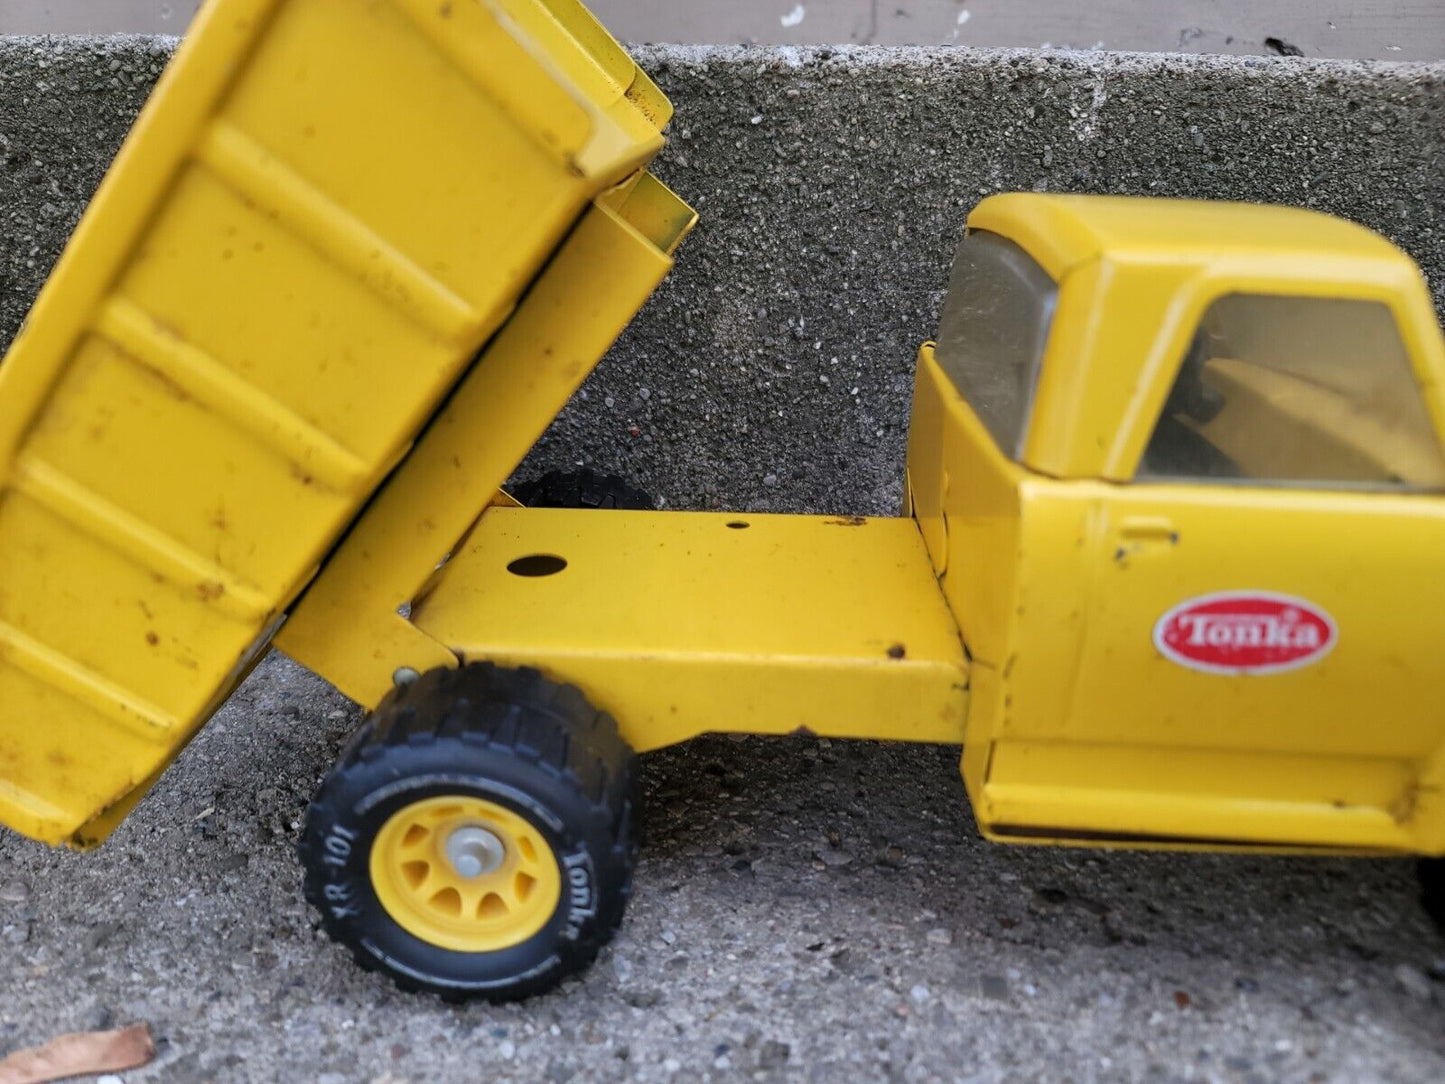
pixel 1432 889
pixel 511 737
pixel 582 488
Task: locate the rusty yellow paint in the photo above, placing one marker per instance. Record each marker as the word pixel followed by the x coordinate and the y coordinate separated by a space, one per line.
pixel 205 430
pixel 255 317
pixel 1078 728
pixel 681 623
pixel 1059 565
pixel 347 626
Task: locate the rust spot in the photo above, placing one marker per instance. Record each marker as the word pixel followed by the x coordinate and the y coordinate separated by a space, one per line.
pixel 173 389
pixel 152 638
pixel 802 732
pixel 1182 999
pixel 847 521
pixel 59 759
pixel 209 590
pixel 897 651
pixel 166 328
pixel 445 11
pixel 1403 808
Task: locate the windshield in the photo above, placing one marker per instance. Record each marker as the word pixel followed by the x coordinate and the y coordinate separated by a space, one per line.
pixel 993 331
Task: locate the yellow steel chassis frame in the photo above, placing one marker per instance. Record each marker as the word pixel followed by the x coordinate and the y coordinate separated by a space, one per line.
pixel 763 624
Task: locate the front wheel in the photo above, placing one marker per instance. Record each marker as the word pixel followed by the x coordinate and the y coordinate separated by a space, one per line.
pixel 477 837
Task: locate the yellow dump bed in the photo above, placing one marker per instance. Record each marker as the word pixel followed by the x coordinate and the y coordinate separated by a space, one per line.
pixel 325 211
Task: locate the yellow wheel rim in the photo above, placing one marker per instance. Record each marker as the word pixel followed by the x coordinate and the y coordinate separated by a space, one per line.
pixel 465 874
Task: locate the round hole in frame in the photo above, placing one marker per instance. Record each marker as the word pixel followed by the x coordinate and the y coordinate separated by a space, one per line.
pixel 535 565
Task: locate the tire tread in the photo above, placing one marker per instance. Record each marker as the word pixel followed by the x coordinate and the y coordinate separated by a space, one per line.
pixel 511 712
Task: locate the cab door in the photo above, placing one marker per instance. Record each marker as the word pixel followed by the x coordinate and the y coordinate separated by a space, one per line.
pixel 1267 598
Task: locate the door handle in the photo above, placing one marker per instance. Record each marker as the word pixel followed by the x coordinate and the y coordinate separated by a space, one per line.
pixel 1148 529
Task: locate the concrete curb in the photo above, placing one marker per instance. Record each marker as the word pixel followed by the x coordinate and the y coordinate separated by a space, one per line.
pixel 773 370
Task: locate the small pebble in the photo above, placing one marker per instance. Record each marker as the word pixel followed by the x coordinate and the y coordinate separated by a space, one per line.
pixel 940 936
pixel 14 892
pixel 774 1054
pixel 919 993
pixel 994 986
pixel 642 999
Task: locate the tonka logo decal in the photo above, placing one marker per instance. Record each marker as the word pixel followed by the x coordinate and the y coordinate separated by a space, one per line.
pixel 581 893
pixel 1245 632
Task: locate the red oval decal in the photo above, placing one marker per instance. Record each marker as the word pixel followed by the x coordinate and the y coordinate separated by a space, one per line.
pixel 1245 632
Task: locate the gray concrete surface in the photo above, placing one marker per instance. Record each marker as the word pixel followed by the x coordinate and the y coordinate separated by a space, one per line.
pixel 1363 29
pixel 805 910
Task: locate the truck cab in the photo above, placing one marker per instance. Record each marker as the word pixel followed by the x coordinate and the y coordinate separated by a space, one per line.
pixel 1178 468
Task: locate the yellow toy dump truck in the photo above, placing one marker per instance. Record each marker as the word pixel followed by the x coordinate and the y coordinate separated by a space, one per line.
pixel 1168 570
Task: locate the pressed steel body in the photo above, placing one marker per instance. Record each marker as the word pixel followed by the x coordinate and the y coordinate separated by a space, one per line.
pixel 278 378
pixel 1058 566
pixel 327 207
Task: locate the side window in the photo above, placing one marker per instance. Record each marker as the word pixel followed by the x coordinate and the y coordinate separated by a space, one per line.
pixel 991 338
pixel 1296 391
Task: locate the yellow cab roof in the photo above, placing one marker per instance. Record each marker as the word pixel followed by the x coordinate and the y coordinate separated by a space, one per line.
pixel 1062 232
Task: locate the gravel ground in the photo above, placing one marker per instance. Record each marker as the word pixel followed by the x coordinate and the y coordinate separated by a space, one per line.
pixel 805 910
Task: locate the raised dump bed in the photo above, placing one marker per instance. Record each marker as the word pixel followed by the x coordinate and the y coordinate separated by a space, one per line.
pixel 327 209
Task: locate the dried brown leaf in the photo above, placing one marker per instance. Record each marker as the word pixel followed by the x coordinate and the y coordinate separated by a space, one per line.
pixel 80 1054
